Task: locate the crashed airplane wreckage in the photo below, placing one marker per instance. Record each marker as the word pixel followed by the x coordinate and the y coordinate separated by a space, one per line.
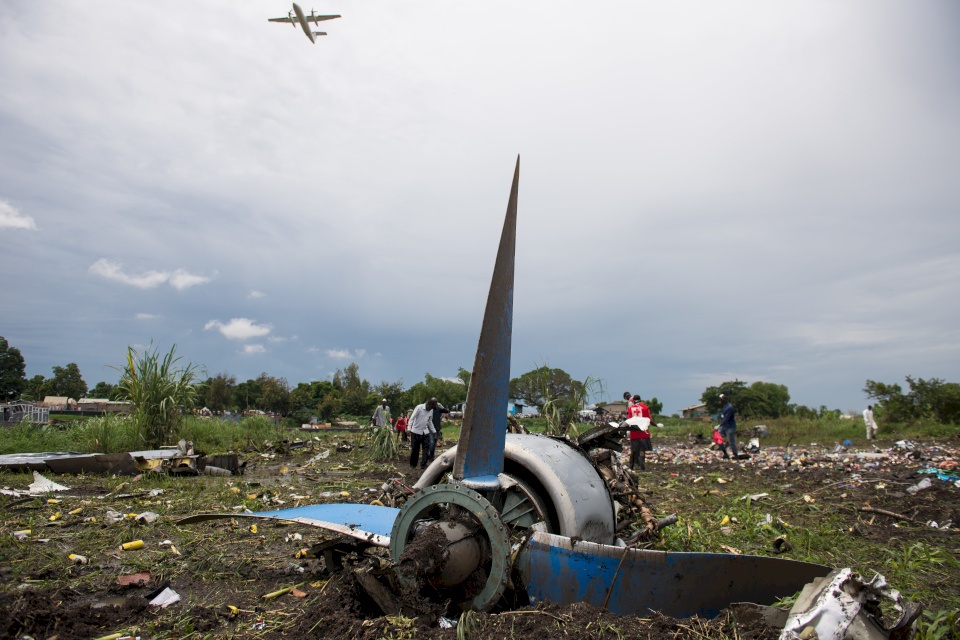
pixel 506 520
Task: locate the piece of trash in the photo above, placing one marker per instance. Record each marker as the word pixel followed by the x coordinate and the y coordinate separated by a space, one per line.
pixel 147 517
pixel 293 537
pixel 847 443
pixel 905 444
pixel 297 593
pixel 131 546
pixel 259 625
pixel 78 559
pixel 43 485
pixel 725 521
pixel 809 499
pixel 447 623
pixel 926 483
pixel 166 598
pixel 253 528
pixel 697 479
pixel 165 543
pixel 732 550
pixel 76 511
pixel 754 497
pixel 210 470
pixel 22 535
pixel 344 494
pixel 54 501
pixel 881 485
pixel 780 545
pixel 113 517
pixel 280 592
pixel 55 516
pixel 134 579
pixel 721 481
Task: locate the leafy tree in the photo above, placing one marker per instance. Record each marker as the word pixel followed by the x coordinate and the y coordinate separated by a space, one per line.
pixel 13 380
pixel 927 399
pixel 247 395
pixel 35 389
pixel 711 396
pixel 102 390
pixel 759 400
pixel 447 392
pixel 655 406
pixel 544 384
pixel 159 390
pixel 274 394
pixel 307 401
pixel 393 392
pixel 219 393
pixel 67 382
pixel 356 393
pixel 329 407
pixel 464 376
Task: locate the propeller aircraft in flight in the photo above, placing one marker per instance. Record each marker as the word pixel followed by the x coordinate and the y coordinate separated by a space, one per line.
pixel 297 16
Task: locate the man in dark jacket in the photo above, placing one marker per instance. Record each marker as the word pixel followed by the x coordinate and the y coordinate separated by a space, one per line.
pixel 438 411
pixel 728 427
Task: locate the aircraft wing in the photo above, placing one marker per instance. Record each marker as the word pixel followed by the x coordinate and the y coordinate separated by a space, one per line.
pixel 313 18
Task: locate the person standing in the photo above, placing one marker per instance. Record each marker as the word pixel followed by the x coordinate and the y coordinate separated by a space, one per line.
pixel 640 441
pixel 421 432
pixel 381 415
pixel 401 427
pixel 870 422
pixel 438 411
pixel 728 427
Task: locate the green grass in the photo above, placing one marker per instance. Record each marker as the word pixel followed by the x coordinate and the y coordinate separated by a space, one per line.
pixel 115 434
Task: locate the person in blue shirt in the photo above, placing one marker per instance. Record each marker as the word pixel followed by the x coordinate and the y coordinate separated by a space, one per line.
pixel 728 427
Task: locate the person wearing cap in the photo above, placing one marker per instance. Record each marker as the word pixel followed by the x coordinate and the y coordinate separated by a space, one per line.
pixel 640 441
pixel 421 431
pixel 381 415
pixel 728 427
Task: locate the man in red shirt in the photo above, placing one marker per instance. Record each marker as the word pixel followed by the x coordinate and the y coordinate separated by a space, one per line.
pixel 639 436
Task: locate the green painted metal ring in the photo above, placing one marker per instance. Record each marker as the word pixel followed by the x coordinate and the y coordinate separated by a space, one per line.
pixel 485 514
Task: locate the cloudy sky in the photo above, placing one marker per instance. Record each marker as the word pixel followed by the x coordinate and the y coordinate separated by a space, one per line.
pixel 709 191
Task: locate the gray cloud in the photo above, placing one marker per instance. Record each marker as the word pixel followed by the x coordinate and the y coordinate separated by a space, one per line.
pixel 755 190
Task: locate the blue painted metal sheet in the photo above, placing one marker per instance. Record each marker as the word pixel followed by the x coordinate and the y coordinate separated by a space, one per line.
pixel 485 420
pixel 676 584
pixel 367 522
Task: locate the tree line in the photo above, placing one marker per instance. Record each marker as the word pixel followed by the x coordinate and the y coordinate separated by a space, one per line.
pixel 550 391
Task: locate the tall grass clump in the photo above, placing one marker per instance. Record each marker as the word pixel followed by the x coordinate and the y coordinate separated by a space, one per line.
pixel 160 391
pixel 108 434
pixel 383 444
pixel 27 436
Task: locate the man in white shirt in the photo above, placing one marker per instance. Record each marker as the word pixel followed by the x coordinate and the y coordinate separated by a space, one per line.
pixel 870 422
pixel 421 432
pixel 381 416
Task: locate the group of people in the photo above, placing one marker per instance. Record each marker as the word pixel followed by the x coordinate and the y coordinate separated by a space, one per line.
pixel 640 442
pixel 424 428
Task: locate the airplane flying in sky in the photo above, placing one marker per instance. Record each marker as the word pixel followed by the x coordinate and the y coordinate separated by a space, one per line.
pixel 297 16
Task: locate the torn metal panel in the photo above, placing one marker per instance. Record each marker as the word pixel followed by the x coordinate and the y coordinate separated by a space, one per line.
pixel 843 606
pixel 681 585
pixel 485 418
pixel 365 522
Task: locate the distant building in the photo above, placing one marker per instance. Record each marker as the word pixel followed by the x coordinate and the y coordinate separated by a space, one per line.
pixel 695 412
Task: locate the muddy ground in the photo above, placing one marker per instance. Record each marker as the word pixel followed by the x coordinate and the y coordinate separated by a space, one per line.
pixel 836 508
